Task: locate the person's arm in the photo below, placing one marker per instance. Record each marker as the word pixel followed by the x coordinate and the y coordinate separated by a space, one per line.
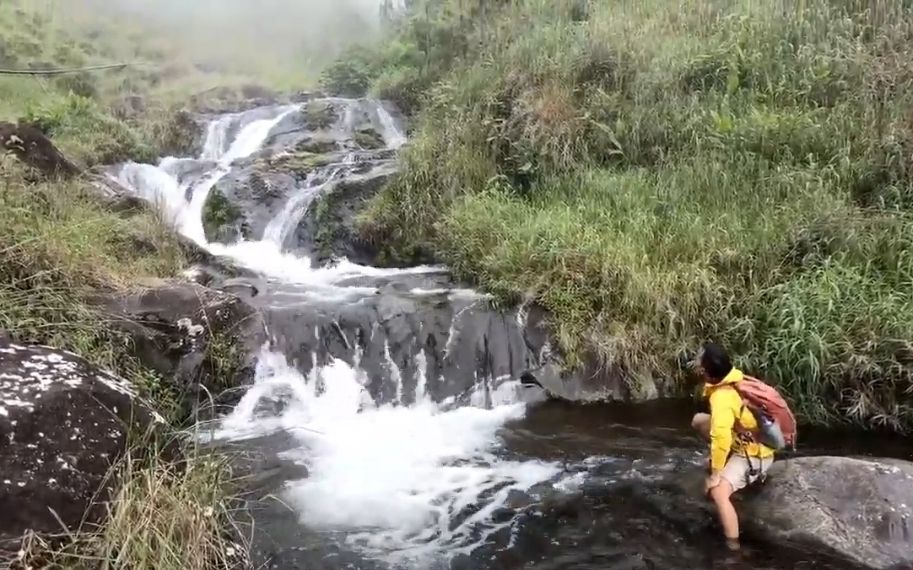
pixel 722 420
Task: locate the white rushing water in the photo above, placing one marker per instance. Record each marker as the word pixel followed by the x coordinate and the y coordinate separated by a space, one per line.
pixel 393 478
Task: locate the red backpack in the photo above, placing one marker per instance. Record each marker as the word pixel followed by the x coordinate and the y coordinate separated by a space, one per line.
pixel 776 422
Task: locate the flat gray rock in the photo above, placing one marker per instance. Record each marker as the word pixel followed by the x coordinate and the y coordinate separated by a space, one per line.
pixel 859 509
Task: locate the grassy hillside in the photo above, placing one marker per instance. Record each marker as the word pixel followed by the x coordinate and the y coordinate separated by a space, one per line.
pixel 658 173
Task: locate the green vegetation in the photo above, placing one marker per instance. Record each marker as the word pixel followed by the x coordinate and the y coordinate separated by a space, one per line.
pixel 658 174
pixel 369 139
pixel 164 515
pixel 219 214
pixel 301 163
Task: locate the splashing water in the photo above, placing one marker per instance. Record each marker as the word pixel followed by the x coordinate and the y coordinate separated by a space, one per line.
pixel 402 483
pixel 393 477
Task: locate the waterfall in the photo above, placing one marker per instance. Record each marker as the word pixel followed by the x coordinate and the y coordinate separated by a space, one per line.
pixel 408 478
pixel 393 135
pixel 393 475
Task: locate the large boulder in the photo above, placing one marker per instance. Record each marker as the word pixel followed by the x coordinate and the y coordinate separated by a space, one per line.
pixel 63 424
pixel 255 192
pixel 858 509
pixel 200 339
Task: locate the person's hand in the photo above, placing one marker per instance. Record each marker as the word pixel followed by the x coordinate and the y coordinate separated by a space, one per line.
pixel 711 482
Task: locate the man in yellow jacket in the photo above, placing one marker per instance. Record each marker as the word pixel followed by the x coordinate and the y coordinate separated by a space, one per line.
pixel 735 461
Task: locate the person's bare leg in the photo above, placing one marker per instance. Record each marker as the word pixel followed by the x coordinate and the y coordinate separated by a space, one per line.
pixel 729 519
pixel 701 423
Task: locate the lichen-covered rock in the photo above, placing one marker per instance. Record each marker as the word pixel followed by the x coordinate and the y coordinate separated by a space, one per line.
pixel 858 509
pixel 63 423
pixel 199 339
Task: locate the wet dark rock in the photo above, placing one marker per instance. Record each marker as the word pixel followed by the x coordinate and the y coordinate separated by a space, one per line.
pixel 328 228
pixel 195 337
pixel 33 148
pixel 320 125
pixel 592 381
pixel 63 424
pixel 243 203
pixel 401 333
pixel 859 509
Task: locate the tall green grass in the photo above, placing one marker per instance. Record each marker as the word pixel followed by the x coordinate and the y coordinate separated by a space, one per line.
pixel 660 174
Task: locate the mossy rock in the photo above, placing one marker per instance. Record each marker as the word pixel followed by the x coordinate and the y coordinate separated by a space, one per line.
pixel 301 164
pixel 369 139
pixel 317 146
pixel 220 218
pixel 328 228
pixel 320 115
pixel 178 134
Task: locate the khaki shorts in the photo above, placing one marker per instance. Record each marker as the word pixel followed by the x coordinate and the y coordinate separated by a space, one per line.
pixel 738 472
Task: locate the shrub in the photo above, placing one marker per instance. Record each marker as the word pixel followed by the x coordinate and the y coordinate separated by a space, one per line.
pixel 86 133
pixel 351 75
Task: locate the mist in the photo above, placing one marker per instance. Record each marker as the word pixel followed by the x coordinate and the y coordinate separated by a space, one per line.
pixel 248 33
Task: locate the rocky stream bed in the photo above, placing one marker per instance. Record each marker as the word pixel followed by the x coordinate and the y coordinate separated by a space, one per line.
pixel 379 410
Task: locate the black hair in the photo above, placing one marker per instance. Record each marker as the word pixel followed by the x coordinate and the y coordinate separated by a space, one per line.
pixel 715 361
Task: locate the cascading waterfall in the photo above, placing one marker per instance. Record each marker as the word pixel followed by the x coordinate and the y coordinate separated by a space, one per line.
pixel 404 483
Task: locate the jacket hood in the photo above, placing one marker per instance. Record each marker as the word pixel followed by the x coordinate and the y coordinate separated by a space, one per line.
pixel 735 375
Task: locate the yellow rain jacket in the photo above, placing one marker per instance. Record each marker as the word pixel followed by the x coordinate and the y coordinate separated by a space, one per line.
pixel 725 408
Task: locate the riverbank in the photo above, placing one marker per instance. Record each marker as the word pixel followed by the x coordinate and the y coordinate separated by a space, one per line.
pixel 98 275
pixel 656 176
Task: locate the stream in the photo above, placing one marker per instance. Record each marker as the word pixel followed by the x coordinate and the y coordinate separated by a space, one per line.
pixel 386 428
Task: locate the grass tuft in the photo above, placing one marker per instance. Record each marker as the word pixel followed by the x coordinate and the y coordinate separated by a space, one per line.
pixel 164 514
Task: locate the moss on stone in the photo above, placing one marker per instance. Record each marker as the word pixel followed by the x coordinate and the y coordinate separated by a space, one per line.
pixel 317 146
pixel 369 139
pixel 218 213
pixel 298 163
pixel 320 115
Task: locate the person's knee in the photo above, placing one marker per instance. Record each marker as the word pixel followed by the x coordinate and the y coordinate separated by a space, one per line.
pixel 701 423
pixel 722 493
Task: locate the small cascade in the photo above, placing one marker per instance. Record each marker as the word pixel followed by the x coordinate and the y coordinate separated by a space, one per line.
pixel 216 141
pixel 394 476
pixel 277 230
pixel 160 184
pixel 392 383
pixel 393 135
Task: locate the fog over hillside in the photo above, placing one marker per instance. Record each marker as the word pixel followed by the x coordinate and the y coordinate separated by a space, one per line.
pixel 310 31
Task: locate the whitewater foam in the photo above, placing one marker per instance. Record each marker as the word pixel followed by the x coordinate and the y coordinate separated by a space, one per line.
pixel 402 483
pixel 405 483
